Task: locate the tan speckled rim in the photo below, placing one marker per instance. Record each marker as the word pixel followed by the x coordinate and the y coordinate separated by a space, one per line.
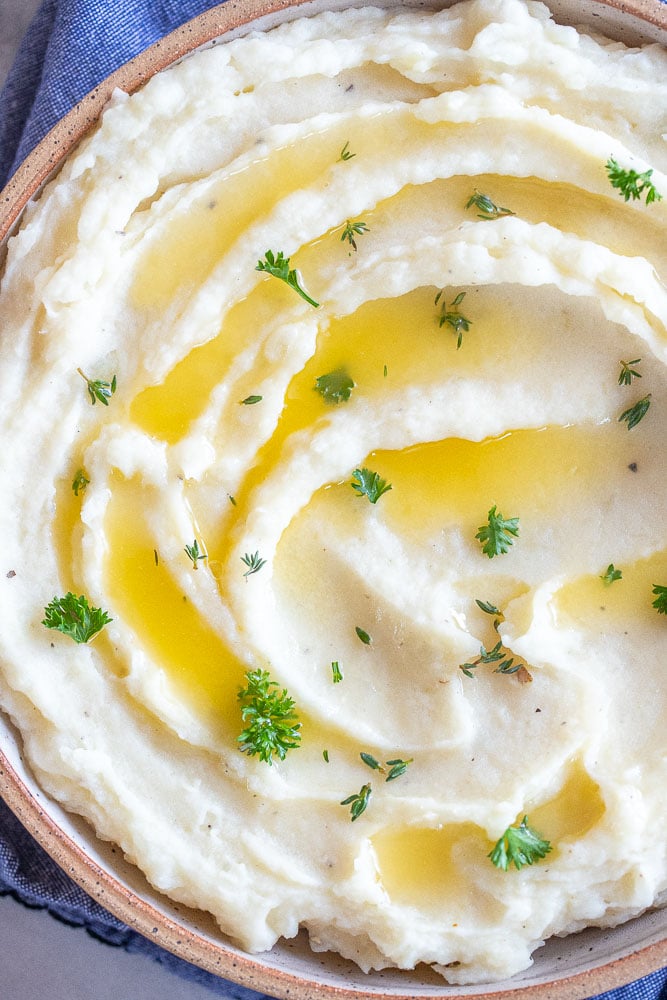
pixel 646 19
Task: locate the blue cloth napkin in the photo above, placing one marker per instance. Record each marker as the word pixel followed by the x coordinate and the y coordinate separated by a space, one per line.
pixel 72 45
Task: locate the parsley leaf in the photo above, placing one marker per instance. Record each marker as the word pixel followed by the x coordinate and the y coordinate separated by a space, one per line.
pixel 519 845
pixel 73 616
pixel 497 536
pixel 660 602
pixel 79 482
pixel 272 724
pixel 611 575
pixel 368 483
pixel 335 387
pixel 278 266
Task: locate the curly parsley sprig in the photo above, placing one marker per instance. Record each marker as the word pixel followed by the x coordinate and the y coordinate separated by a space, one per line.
pixel 272 726
pixel 498 534
pixel 660 602
pixel 73 616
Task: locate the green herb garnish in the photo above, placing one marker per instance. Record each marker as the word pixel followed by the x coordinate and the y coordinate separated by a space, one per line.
pixel 497 536
pixel 450 315
pixel 277 265
pixel 194 553
pixel 660 602
pixel 251 400
pixel 336 672
pixel 73 616
pixel 611 575
pixel 630 183
pixel 345 153
pixel 505 664
pixel 79 482
pixel 487 209
pixel 358 802
pixel 272 724
pixel 628 372
pixel 364 636
pixel 335 387
pixel 253 562
pixel 397 766
pixel 635 413
pixel 498 655
pixel 519 845
pixel 368 484
pixel 352 229
pixel 98 390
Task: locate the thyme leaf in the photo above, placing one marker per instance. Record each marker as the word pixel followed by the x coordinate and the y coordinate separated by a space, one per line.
pixel 630 183
pixel 99 390
pixel 634 414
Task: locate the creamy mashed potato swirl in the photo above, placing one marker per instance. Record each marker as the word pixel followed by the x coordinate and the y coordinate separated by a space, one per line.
pixel 352 143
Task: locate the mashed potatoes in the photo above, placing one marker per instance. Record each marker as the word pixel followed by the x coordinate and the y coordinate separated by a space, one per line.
pixel 425 499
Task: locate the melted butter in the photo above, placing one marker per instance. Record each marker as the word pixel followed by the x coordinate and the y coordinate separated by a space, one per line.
pixel 426 867
pixel 572 812
pixel 385 342
pixel 521 472
pixel 198 236
pixel 146 596
pixel 588 601
pixel 67 528
pixel 167 409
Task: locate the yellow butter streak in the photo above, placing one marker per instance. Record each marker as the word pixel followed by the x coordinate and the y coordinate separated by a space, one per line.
pixel 522 472
pixel 432 866
pixel 144 592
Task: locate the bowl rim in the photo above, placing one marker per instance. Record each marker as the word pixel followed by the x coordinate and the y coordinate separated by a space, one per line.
pixel 227 19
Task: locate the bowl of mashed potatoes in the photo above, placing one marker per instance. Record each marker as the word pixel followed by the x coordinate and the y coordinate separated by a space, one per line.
pixel 333 504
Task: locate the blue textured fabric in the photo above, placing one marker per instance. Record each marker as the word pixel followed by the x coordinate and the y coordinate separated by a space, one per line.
pixel 72 46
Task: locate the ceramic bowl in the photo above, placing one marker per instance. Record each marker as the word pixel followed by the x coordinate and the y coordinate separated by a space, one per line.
pixel 567 968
